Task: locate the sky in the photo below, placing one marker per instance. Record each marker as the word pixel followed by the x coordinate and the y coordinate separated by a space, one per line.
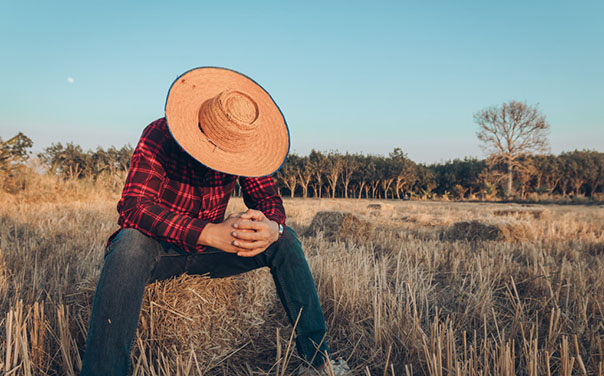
pixel 348 76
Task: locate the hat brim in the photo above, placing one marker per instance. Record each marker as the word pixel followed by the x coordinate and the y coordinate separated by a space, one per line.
pixel 270 145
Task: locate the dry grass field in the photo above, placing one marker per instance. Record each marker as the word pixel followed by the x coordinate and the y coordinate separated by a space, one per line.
pixel 408 287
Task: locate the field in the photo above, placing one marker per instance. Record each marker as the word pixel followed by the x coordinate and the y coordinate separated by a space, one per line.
pixel 408 287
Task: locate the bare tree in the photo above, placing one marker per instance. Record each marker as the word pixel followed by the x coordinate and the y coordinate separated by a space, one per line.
pixel 362 173
pixel 288 173
pixel 333 169
pixel 374 175
pixel 403 171
pixel 350 165
pixel 509 131
pixel 387 173
pixel 305 173
pixel 319 163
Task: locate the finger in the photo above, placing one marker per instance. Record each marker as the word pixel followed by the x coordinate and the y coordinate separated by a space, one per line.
pixel 250 235
pixel 251 216
pixel 250 244
pixel 254 212
pixel 236 215
pixel 256 215
pixel 230 248
pixel 251 253
pixel 244 230
pixel 249 224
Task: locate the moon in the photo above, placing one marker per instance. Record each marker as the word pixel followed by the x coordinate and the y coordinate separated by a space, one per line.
pixel 70 80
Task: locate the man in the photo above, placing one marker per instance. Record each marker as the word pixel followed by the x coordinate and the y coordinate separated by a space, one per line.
pixel 220 126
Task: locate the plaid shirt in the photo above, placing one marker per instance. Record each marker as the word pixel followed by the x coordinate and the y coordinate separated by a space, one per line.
pixel 170 196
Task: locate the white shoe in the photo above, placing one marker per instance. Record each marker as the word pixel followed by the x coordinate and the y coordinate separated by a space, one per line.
pixel 332 368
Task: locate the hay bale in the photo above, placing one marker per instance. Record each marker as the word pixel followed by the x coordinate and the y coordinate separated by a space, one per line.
pixel 479 231
pixel 337 225
pixel 211 317
pixel 530 213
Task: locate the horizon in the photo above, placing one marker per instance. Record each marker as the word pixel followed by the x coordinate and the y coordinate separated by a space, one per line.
pixel 350 77
pixel 34 153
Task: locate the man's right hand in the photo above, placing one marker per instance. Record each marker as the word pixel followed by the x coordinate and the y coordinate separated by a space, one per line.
pixel 219 235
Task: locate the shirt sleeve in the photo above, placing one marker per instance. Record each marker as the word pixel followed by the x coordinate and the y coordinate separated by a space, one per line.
pixel 139 208
pixel 261 194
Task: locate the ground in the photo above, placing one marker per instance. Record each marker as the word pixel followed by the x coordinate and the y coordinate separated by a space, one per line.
pixel 408 287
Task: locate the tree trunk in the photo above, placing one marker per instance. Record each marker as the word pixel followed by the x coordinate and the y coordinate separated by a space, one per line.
pixel 386 187
pixel 361 190
pixel 510 178
pixel 53 169
pixel 578 188
pixel 304 190
pixel 291 187
pixel 367 188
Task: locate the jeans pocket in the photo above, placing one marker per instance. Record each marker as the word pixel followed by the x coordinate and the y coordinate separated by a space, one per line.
pixel 109 248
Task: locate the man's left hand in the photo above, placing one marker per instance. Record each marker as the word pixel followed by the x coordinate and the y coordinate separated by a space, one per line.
pixel 254 232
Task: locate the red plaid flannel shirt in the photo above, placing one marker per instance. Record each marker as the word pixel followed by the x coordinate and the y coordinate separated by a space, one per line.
pixel 170 196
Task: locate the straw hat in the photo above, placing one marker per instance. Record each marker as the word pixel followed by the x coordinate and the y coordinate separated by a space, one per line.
pixel 227 121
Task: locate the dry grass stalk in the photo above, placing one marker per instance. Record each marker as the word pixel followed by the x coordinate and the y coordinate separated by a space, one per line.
pixel 399 301
pixel 376 208
pixel 524 214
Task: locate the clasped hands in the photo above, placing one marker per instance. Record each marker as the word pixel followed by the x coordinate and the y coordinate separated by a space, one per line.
pixel 246 234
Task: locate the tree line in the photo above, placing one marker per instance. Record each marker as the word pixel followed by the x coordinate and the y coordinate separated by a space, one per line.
pixel 334 174
pixel 67 161
pixel 576 173
pixel 71 161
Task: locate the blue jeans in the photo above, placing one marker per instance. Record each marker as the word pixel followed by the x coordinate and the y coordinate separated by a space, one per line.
pixel 134 260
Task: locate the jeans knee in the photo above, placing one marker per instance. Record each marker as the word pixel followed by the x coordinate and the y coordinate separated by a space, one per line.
pixel 132 247
pixel 289 246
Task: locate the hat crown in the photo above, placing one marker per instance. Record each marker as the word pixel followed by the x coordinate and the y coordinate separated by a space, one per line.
pixel 239 106
pixel 229 120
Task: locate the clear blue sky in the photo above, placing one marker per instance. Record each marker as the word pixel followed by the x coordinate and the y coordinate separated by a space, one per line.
pixel 349 76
